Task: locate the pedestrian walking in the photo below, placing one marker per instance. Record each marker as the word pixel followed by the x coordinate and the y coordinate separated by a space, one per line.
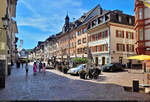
pixel 34 68
pixel 40 66
pixel 26 67
pixel 44 68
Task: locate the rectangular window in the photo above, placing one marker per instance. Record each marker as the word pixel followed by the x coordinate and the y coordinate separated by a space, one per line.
pixel 141 13
pixel 105 47
pixel 96 48
pixel 130 48
pixel 103 34
pixel 84 40
pixel 141 34
pixel 120 47
pixel 90 38
pixel 79 32
pixel 99 20
pixel 79 42
pixel 84 30
pixel 119 18
pixel 120 34
pixel 129 35
pixel 93 23
pixel 130 21
pixel 96 36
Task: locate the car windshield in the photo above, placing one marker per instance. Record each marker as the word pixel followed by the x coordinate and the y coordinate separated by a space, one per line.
pixel 109 64
pixel 80 66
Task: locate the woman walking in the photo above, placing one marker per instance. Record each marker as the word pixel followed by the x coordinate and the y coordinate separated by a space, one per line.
pixel 34 68
pixel 44 68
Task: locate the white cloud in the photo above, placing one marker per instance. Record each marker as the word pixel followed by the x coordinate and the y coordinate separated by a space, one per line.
pixel 47 15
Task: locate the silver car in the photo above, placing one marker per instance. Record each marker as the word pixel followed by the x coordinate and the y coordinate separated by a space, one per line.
pixel 76 70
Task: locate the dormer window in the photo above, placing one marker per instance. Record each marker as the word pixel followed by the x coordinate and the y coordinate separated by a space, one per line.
pixel 94 23
pixel 99 20
pixel 119 18
pixel 106 17
pixel 130 21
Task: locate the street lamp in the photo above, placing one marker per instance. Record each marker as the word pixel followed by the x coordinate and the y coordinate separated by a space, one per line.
pixel 5 21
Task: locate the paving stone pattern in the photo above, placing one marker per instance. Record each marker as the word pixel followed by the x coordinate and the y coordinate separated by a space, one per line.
pixel 53 86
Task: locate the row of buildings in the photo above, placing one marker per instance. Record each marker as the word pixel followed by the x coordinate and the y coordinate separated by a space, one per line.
pixel 8 39
pixel 110 35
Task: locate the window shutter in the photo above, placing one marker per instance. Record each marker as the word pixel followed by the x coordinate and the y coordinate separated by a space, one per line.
pixel 133 48
pixel 127 47
pixel 88 38
pixel 93 49
pixel 99 35
pixel 123 47
pixel 123 34
pixel 116 33
pixel 126 34
pixel 106 35
pixel 117 47
pixel 132 35
pixel 100 48
pixel 106 47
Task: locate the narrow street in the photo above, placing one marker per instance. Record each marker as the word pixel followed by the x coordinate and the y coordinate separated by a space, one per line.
pixel 58 87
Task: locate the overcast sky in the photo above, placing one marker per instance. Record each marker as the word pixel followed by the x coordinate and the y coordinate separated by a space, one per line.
pixel 38 19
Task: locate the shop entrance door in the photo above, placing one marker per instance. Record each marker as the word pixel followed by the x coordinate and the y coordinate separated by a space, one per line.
pixel 96 61
pixel 103 60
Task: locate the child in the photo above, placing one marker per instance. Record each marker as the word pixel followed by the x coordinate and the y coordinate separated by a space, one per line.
pixel 44 68
pixel 34 68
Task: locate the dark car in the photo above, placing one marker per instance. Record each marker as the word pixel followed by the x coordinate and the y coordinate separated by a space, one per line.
pixel 112 67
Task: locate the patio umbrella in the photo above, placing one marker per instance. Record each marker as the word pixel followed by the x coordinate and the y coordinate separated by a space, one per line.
pixel 140 57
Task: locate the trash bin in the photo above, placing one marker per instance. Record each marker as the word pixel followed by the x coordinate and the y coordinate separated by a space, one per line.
pixel 135 85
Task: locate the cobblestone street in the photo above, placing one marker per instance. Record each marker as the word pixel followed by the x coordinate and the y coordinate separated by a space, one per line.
pixel 58 87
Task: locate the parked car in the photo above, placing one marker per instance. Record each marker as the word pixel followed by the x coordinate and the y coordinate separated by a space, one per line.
pixel 112 67
pixel 76 70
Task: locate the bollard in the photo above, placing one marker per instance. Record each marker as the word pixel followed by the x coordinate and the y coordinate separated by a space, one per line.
pixel 135 85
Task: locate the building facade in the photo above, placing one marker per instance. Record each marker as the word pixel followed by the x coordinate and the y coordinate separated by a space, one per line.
pixel 109 34
pixel 111 37
pixel 142 27
pixel 8 29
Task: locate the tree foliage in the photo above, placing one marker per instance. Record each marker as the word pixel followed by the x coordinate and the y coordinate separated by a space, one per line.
pixel 80 60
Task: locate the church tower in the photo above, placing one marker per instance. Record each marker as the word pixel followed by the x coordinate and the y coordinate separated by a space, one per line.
pixel 66 23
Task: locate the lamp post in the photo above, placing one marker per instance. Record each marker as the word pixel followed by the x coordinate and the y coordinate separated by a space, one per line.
pixel 3 55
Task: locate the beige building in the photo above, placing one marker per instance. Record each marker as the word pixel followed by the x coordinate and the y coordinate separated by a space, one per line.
pixel 8 29
pixel 111 37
